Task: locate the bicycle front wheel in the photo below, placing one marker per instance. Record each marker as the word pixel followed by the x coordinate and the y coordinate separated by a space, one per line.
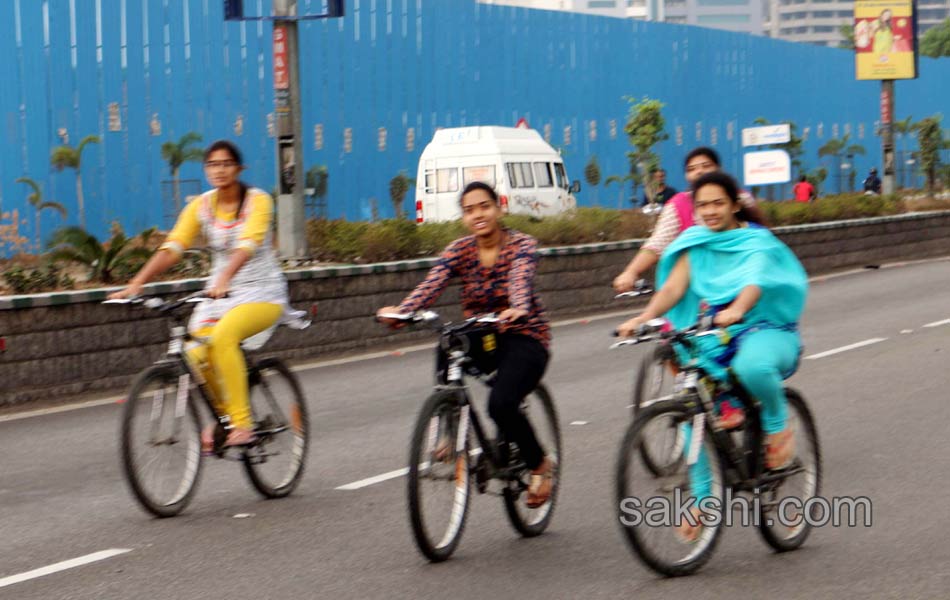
pixel 161 441
pixel 538 407
pixel 439 484
pixel 275 465
pixel 652 507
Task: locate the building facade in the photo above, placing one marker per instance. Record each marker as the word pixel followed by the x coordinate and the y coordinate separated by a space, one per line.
pixel 744 16
pixel 819 21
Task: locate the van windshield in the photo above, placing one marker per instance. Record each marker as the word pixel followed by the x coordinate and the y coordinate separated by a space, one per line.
pixel 561 175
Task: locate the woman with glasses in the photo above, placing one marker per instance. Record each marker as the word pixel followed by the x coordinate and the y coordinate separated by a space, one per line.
pixel 247 285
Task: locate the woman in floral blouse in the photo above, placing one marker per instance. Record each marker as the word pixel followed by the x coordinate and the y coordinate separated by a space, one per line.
pixel 496 267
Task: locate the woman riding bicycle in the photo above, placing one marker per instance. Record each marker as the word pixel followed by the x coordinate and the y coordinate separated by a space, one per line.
pixel 497 267
pixel 755 287
pixel 246 283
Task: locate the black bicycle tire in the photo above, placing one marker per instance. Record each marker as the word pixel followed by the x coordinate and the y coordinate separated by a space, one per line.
pixel 621 493
pixel 648 361
pixel 796 402
pixel 257 482
pixel 420 430
pixel 511 499
pixel 170 372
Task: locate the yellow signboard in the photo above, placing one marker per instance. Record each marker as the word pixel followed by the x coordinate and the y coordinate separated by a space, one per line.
pixel 885 42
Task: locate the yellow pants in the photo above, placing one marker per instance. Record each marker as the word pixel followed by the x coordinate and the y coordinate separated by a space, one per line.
pixel 222 359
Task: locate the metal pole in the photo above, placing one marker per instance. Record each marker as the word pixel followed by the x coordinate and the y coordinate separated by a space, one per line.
pixel 291 222
pixel 887 135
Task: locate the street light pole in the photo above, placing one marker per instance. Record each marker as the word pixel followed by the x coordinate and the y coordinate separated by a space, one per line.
pixel 291 222
pixel 887 135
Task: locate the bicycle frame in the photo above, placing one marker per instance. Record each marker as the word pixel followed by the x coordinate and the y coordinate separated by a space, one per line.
pixel 498 463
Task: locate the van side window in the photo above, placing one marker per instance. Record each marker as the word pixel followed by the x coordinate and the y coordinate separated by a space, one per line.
pixel 542 173
pixel 485 174
pixel 526 176
pixel 561 175
pixel 447 180
pixel 515 175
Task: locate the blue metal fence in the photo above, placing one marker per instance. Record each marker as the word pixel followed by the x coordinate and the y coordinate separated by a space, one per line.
pixel 377 83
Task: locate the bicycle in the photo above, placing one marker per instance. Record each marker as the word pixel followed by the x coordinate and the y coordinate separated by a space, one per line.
pixel 735 466
pixel 449 445
pixel 161 424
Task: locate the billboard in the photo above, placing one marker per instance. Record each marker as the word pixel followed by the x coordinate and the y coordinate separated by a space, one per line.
pixel 885 39
pixel 767 167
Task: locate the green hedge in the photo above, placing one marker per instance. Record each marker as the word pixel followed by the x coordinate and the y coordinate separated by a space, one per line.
pixel 831 208
pixel 361 242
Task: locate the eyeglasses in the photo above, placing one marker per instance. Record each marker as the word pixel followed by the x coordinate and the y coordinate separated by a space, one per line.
pixel 220 164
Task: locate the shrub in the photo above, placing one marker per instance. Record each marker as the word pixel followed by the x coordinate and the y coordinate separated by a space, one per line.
pixel 45 278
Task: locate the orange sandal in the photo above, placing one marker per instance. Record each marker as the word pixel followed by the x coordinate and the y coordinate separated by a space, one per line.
pixel 542 484
pixel 779 450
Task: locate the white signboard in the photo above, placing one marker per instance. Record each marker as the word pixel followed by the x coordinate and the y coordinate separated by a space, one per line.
pixel 764 168
pixel 768 134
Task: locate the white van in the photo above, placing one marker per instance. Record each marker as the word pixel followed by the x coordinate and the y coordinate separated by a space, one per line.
pixel 526 172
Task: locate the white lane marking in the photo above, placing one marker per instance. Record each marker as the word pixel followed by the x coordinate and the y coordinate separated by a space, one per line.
pixel 938 323
pixel 845 348
pixel 62 566
pixel 578 422
pixel 374 480
pixel 58 409
pixel 907 331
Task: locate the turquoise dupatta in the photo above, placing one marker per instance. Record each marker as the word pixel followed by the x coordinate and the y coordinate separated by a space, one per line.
pixel 721 264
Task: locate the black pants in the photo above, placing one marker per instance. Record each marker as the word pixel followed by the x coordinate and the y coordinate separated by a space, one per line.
pixel 519 362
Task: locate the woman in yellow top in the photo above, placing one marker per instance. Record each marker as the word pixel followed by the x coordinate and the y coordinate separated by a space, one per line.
pixel 246 281
pixel 883 34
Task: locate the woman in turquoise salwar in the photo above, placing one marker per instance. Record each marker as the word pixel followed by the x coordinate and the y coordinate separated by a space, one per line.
pixel 755 287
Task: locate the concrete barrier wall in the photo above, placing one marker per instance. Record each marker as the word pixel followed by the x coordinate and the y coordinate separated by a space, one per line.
pixel 66 344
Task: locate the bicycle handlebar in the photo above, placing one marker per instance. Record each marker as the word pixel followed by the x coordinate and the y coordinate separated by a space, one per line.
pixel 642 287
pixel 155 303
pixel 432 318
pixel 653 330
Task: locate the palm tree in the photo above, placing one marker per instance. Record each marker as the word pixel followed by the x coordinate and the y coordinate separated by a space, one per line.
pixel 68 157
pixel 837 148
pixel 39 205
pixel 852 151
pixel 177 154
pixel 104 261
pixel 904 127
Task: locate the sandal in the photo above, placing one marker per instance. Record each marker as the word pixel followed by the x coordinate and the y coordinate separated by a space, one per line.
pixel 240 437
pixel 779 450
pixel 542 484
pixel 686 531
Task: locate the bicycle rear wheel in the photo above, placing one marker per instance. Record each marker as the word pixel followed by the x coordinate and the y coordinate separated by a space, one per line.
pixel 663 452
pixel 782 520
pixel 161 441
pixel 439 483
pixel 648 503
pixel 530 522
pixel 275 465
